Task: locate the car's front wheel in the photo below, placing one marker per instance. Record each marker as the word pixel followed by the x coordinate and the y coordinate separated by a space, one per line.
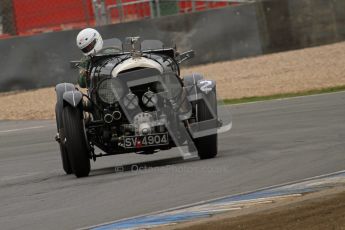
pixel 75 141
pixel 64 156
pixel 207 146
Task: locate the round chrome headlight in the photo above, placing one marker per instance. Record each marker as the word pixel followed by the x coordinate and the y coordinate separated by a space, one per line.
pixel 149 99
pixel 108 92
pixel 130 101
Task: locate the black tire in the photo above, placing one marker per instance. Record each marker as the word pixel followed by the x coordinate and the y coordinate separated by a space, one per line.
pixel 76 144
pixel 206 146
pixel 63 151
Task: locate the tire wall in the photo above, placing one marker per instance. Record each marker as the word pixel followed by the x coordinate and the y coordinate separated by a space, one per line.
pixel 216 35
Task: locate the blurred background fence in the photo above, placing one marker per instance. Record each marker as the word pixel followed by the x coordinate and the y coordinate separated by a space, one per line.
pixel 224 32
pixel 27 17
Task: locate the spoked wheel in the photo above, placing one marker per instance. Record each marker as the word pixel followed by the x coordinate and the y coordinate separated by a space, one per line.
pixel 63 151
pixel 75 141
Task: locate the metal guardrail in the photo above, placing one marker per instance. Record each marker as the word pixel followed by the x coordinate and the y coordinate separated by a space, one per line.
pixel 120 6
pixel 103 12
pixel 19 17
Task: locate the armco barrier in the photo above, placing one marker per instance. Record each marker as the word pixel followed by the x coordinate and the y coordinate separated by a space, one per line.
pixel 294 24
pixel 216 35
pixel 43 60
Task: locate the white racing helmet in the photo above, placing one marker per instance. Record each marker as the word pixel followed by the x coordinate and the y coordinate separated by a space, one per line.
pixel 89 41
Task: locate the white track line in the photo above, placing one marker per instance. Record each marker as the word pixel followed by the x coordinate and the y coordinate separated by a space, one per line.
pixel 214 199
pixel 21 129
pixel 287 98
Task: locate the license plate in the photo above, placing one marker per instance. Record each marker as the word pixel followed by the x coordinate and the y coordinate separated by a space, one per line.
pixel 145 141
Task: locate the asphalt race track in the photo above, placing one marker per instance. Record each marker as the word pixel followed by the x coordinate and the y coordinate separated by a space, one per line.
pixel 271 143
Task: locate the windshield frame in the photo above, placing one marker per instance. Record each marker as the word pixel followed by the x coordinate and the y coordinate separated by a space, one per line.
pixel 115 46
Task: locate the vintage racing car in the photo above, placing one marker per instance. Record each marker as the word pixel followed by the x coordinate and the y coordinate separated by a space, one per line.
pixel 136 101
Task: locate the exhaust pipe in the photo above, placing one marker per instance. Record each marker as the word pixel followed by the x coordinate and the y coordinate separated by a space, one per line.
pixel 117 115
pixel 108 118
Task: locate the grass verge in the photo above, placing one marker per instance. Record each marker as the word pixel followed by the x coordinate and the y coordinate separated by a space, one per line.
pixel 284 95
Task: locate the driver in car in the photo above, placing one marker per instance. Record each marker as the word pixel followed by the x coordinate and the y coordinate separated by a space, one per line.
pixel 90 42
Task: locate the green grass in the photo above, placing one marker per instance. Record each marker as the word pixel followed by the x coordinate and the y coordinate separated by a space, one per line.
pixel 284 95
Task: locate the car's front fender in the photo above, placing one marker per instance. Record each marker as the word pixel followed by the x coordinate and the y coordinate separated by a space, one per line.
pixel 73 98
pixel 60 89
pixel 197 87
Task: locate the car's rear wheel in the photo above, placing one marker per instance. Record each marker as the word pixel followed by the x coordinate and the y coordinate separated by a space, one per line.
pixel 207 146
pixel 75 141
pixel 63 151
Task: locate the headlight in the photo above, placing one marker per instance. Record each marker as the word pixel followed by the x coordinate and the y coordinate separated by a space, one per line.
pixel 130 101
pixel 149 99
pixel 108 92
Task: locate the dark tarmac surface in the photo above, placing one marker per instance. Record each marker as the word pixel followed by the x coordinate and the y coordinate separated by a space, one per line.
pixel 271 142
